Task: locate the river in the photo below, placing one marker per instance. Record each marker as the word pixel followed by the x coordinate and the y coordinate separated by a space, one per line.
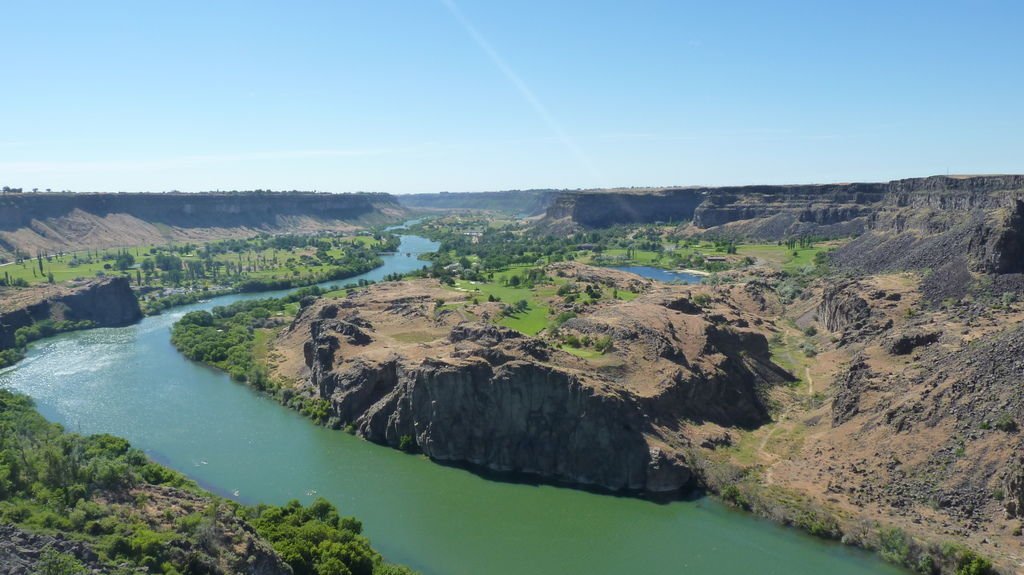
pixel 440 520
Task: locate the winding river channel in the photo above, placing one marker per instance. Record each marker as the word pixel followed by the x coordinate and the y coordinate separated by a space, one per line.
pixel 439 520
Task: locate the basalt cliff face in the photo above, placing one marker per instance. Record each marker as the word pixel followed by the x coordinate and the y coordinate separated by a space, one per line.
pixel 755 212
pixel 107 302
pixel 831 210
pixel 927 223
pixel 33 222
pixel 602 208
pixel 404 374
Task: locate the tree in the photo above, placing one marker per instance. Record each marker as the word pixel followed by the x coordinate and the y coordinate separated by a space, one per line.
pixel 124 261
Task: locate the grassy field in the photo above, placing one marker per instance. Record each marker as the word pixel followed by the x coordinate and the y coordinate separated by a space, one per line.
pixel 62 269
pixel 585 353
pixel 640 257
pixel 782 256
pixel 291 263
pixel 531 321
pixel 778 256
pixel 538 313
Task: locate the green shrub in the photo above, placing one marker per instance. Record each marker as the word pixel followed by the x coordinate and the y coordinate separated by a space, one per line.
pixel 407 443
pixel 732 494
pixel 1005 422
pixel 893 545
pixel 52 562
pixel 315 540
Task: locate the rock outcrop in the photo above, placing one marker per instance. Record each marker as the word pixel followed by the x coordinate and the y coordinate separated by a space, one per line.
pixel 493 398
pixel 602 208
pixel 1013 489
pixel 846 314
pixel 841 309
pixel 107 302
pixel 21 551
pixel 233 546
pixel 850 383
pixel 905 343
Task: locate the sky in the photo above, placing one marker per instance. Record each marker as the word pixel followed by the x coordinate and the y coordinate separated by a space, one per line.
pixel 406 96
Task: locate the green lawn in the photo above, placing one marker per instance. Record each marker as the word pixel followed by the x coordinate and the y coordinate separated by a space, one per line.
pixel 776 255
pixel 531 321
pixel 62 270
pixel 538 315
pixel 782 256
pixel 284 257
pixel 584 352
pixel 642 257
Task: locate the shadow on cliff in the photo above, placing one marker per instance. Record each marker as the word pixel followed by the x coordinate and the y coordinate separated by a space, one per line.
pixel 690 493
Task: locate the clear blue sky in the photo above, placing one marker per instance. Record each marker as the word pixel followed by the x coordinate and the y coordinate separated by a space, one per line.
pixel 428 95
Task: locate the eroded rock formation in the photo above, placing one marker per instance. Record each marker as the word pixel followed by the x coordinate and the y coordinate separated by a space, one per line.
pixel 487 396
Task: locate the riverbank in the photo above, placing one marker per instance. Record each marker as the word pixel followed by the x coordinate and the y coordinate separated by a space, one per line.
pixel 74 502
pixel 693 272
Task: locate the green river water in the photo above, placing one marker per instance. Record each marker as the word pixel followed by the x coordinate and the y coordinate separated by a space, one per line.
pixel 440 520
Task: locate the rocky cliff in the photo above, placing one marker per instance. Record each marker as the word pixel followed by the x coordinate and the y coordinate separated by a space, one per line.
pixel 928 222
pixel 107 302
pixel 602 208
pixel 403 375
pixel 66 221
pixel 778 212
pixel 755 212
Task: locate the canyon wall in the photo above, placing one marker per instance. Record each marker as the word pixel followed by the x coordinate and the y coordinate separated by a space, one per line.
pixel 397 372
pixel 66 221
pixel 107 302
pixel 602 208
pixel 930 223
pixel 772 213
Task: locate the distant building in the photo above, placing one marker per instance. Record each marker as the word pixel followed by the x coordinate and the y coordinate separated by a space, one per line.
pixel 709 259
